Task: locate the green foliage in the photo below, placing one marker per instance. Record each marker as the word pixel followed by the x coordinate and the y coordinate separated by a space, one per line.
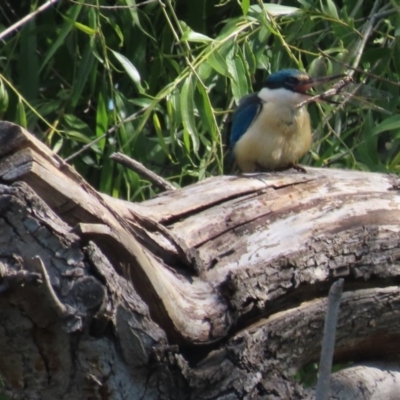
pixel 167 74
pixel 308 375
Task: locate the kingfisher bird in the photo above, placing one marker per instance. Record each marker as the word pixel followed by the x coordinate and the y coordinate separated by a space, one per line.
pixel 268 131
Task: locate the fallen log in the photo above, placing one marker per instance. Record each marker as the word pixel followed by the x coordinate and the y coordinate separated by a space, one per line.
pixel 214 291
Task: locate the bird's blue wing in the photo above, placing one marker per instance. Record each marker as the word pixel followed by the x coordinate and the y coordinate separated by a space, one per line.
pixel 244 115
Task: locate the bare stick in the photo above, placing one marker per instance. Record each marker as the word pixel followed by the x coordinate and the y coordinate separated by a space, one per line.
pixel 366 35
pixel 328 340
pixel 26 18
pixel 336 88
pixel 89 145
pixel 138 167
pixel 359 70
pixel 113 7
pixel 110 132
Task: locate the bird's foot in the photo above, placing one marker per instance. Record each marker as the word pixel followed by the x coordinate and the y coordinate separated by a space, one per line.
pixel 258 168
pixel 297 167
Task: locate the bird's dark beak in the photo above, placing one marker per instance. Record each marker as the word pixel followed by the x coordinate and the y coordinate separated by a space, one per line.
pixel 302 87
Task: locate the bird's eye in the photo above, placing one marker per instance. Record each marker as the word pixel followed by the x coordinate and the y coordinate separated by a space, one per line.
pixel 292 80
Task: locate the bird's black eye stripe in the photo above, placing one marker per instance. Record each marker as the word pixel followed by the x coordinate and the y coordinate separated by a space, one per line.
pixel 292 80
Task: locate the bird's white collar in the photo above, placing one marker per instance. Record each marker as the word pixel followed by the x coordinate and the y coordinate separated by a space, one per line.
pixel 281 95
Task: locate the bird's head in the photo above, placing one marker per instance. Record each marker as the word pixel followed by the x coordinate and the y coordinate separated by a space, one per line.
pixel 291 83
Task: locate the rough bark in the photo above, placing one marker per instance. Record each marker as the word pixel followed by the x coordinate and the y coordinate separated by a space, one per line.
pixel 215 291
pixel 380 381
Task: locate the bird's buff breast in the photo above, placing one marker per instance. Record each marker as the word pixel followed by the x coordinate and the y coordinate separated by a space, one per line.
pixel 279 137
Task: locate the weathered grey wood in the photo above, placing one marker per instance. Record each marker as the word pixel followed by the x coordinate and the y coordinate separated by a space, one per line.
pixel 278 236
pixel 51 346
pixel 173 298
pixel 377 381
pixel 265 356
pixel 215 291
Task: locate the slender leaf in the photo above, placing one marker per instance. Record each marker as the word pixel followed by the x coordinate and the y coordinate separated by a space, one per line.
pixel 331 9
pixel 237 71
pixel 85 69
pixel 130 69
pixel 101 120
pixel 191 36
pixel 388 124
pixel 187 109
pixel 4 99
pixel 218 62
pixel 157 127
pixel 77 135
pixel 83 28
pixel 274 9
pixel 133 9
pixel 20 117
pixel 28 62
pixel 206 112
pixel 245 4
pixel 65 30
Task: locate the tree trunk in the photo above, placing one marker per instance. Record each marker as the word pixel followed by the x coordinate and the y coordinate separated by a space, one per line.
pixel 215 291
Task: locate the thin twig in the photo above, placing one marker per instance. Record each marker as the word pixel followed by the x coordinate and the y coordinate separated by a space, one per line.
pixel 359 70
pixel 337 87
pixel 27 18
pixel 366 34
pixel 139 168
pixel 113 7
pixel 328 340
pixel 357 54
pixel 89 145
pixel 104 135
pixel 356 8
